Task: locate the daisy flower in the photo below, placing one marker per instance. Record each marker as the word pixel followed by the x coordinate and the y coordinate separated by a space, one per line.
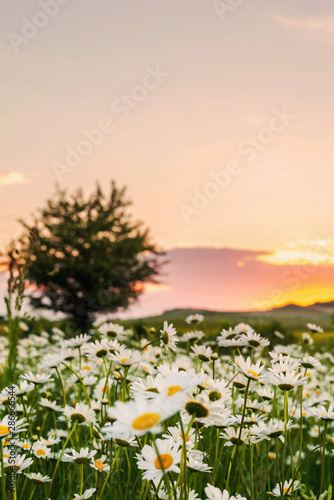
pixel 145 387
pixel 233 436
pixel 284 364
pixel 192 336
pixel 287 381
pixel 307 338
pixel 25 445
pixel 243 328
pixel 205 411
pixel 202 352
pixel 21 463
pixel 195 461
pixel 272 429
pixel 254 339
pixel 40 450
pixel 98 349
pixel 322 413
pixel 213 493
pixel 310 362
pixel 23 388
pixel 81 414
pixel 163 494
pixel 126 357
pixel 79 457
pixel 156 464
pixel 100 464
pixel 40 378
pixel 194 319
pixel 4 427
pixel 20 425
pixel 112 330
pixel 78 341
pixel 175 433
pixel 288 488
pixel 314 328
pixel 177 383
pixel 169 337
pixel 50 405
pixel 120 437
pixel 37 477
pixel 141 416
pixel 217 390
pixel 247 368
pixel 86 495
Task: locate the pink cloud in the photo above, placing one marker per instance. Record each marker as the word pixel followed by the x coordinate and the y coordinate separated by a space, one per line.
pixel 11 178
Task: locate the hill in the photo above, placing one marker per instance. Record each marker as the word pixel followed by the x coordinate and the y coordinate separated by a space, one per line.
pixel 291 317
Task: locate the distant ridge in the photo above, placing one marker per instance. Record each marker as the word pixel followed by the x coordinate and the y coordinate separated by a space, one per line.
pixel 287 307
pixel 291 316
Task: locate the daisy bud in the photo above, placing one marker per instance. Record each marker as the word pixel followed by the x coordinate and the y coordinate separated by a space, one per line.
pixel 35 437
pixel 214 356
pixel 330 442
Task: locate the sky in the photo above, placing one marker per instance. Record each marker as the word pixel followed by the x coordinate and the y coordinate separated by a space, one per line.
pixel 217 115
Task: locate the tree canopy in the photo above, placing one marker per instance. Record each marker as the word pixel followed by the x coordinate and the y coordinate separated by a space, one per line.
pixel 87 255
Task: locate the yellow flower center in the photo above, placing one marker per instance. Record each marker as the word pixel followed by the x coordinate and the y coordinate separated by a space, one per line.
pixel 3 430
pixel 173 389
pixel 145 421
pixel 254 374
pixel 26 446
pixel 163 461
pixel 124 360
pixel 286 490
pixel 86 367
pixel 40 453
pixel 99 465
pixel 181 436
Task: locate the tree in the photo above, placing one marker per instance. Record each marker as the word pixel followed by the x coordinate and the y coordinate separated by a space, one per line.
pixel 87 256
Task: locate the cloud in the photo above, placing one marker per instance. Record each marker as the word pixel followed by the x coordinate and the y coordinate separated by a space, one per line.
pixel 11 178
pixel 325 24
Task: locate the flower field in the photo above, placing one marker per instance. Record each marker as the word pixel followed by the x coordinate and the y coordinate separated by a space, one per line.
pixel 111 415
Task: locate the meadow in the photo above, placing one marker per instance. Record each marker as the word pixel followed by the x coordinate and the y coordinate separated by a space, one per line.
pixel 112 414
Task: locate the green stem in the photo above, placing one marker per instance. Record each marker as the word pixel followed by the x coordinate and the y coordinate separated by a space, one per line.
pixel 323 482
pixel 240 431
pixel 252 471
pixel 32 492
pixel 60 457
pixel 62 385
pixel 302 463
pixel 81 478
pixel 109 473
pixel 286 416
pixel 81 382
pixel 150 343
pixel 3 475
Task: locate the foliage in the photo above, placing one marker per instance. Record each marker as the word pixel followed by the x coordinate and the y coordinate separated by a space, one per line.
pixel 87 255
